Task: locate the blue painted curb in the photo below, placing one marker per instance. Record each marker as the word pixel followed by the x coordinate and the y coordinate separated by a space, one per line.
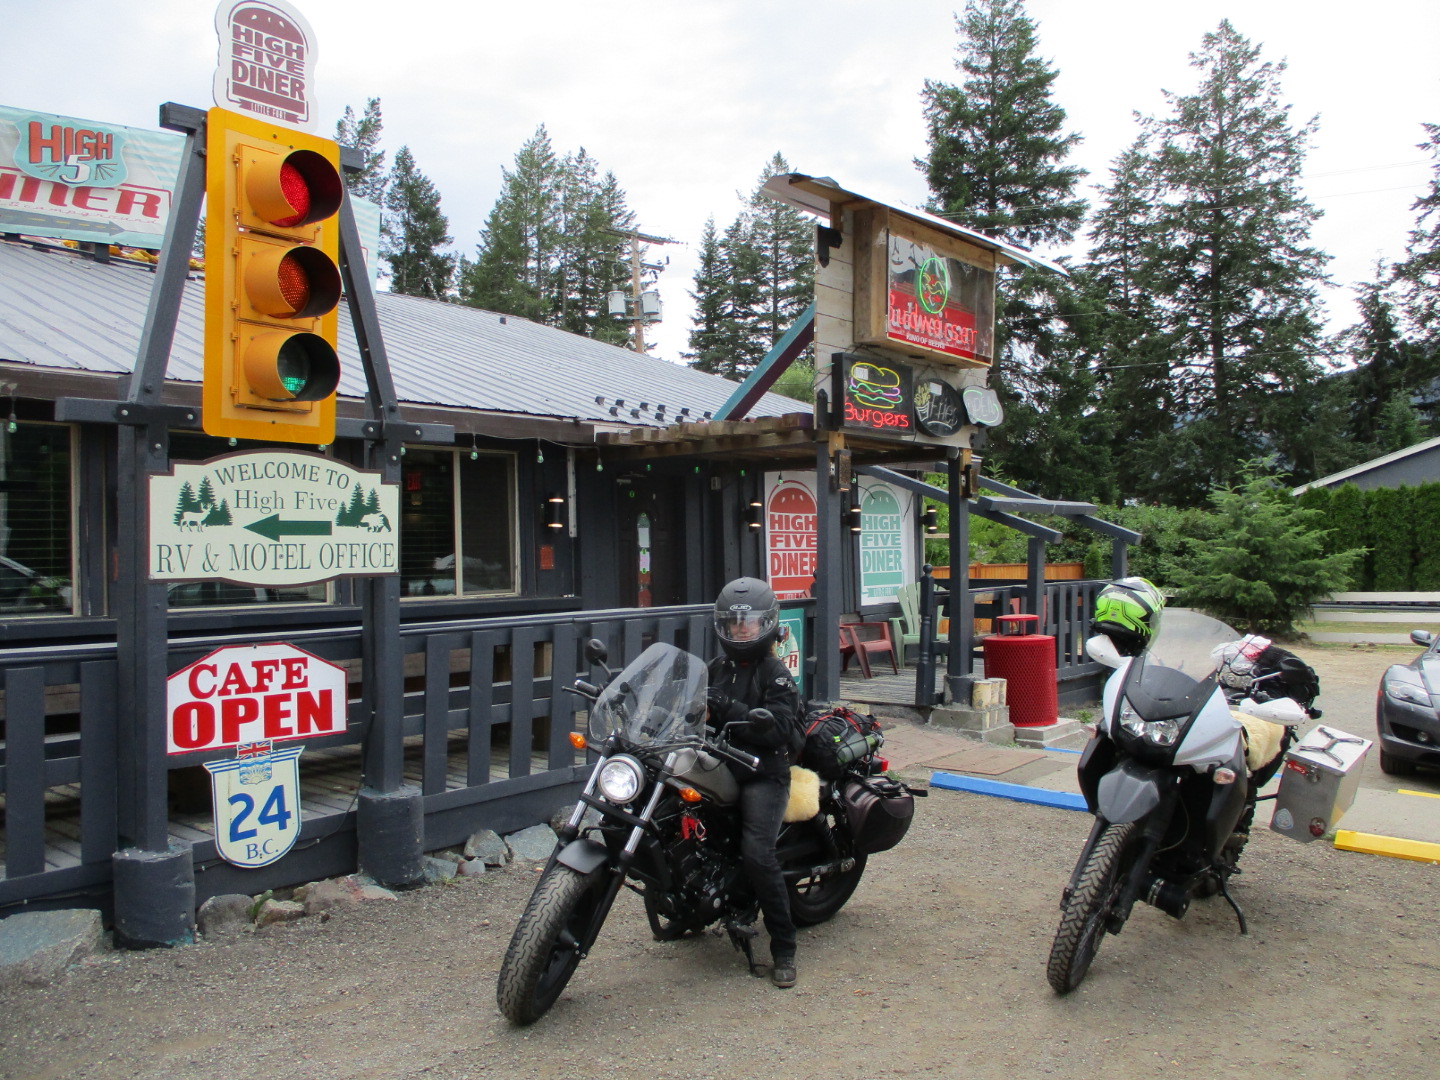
pixel 1063 800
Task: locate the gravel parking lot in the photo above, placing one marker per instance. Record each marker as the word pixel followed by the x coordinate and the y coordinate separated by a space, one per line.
pixel 935 968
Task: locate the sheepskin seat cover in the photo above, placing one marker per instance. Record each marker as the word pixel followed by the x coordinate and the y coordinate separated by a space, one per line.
pixel 1262 740
pixel 804 795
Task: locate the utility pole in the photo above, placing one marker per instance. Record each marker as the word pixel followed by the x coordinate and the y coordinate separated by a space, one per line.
pixel 640 307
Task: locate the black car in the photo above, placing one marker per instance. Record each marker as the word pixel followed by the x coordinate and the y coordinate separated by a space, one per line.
pixel 1406 710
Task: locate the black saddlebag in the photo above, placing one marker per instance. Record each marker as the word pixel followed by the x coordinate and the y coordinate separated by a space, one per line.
pixel 879 810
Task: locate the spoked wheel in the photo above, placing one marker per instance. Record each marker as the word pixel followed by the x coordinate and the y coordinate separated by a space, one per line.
pixel 816 898
pixel 1083 923
pixel 665 928
pixel 545 948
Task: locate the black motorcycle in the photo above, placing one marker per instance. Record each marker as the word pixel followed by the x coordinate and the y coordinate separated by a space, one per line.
pixel 658 815
pixel 1172 775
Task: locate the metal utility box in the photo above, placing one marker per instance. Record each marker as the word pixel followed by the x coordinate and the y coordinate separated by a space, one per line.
pixel 1317 783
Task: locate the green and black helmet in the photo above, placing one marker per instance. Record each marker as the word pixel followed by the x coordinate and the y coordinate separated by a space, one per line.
pixel 1126 611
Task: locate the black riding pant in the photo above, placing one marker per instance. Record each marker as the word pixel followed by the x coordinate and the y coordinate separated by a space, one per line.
pixel 763 800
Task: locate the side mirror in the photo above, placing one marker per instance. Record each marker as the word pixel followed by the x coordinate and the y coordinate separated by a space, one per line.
pixel 761 719
pixel 1103 651
pixel 1422 637
pixel 596 651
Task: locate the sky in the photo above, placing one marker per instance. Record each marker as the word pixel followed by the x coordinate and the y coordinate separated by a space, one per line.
pixel 685 102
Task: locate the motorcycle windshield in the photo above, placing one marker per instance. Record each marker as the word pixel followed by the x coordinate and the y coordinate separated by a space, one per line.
pixel 658 699
pixel 1174 675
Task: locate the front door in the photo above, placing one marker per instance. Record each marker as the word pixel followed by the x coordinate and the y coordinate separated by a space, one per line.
pixel 651 542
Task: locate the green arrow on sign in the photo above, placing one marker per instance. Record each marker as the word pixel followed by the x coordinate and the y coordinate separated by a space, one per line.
pixel 273 528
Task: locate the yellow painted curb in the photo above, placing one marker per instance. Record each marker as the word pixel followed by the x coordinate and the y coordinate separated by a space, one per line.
pixel 1415 850
pixel 1422 794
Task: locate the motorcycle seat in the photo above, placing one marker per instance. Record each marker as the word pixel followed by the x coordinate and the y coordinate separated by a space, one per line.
pixel 804 795
pixel 1262 740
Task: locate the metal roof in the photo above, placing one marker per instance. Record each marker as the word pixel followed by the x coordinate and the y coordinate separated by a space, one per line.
pixel 63 310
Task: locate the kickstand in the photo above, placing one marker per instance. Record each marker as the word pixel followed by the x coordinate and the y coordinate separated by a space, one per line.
pixel 743 938
pixel 1225 892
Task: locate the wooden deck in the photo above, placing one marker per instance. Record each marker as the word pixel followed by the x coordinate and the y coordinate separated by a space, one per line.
pixel 329 784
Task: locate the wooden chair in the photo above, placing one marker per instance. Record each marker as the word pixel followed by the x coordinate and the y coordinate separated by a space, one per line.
pixel 905 630
pixel 860 639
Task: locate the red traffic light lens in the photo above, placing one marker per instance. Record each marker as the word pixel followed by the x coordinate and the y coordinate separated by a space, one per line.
pixel 297 194
pixel 300 189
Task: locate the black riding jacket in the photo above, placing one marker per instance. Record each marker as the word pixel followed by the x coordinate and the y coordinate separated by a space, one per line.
pixel 762 684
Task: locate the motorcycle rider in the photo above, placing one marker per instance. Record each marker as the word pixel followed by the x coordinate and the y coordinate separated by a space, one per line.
pixel 749 676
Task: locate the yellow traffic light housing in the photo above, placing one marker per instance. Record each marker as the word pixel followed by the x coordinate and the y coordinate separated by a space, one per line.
pixel 272 249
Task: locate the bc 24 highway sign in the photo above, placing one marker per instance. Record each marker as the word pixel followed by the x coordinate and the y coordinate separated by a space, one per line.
pixel 257 803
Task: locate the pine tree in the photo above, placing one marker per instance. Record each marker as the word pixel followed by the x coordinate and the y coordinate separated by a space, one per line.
pixel 1117 323
pixel 418 230
pixel 1419 274
pixel 997 140
pixel 514 264
pixel 590 253
pixel 783 240
pixel 1236 281
pixel 711 296
pixel 996 163
pixel 364 134
pixel 753 282
pixel 552 246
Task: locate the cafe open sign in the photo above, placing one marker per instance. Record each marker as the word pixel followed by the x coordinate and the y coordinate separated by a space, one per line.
pixel 252 693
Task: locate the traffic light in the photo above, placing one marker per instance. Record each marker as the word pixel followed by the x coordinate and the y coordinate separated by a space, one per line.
pixel 272 281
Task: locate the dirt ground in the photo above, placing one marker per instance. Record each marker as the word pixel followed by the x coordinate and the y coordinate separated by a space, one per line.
pixel 935 968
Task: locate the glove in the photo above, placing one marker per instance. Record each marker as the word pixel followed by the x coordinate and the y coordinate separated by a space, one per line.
pixel 719 702
pixel 761 721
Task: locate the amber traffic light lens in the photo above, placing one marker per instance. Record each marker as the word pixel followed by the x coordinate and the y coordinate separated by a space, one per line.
pixel 294 282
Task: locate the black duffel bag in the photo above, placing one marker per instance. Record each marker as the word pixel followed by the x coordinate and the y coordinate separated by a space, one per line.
pixel 836 738
pixel 879 810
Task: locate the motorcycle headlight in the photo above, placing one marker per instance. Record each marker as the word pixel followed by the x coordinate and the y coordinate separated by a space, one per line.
pixel 1159 732
pixel 620 779
pixel 1407 691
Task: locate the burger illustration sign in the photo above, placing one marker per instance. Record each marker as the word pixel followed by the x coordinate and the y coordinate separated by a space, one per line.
pixel 875 395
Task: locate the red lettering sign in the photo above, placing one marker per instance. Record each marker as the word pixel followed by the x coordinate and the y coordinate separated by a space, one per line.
pixel 253 693
pixel 790 533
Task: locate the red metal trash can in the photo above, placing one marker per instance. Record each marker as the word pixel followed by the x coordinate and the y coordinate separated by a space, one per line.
pixel 1026 661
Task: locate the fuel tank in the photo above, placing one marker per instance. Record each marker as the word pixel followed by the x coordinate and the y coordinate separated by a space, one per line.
pixel 707 774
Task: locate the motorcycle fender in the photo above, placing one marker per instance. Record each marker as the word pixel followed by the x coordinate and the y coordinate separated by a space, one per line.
pixel 1129 792
pixel 583 856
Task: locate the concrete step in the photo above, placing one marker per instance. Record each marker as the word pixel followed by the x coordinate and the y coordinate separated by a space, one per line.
pixel 1062 735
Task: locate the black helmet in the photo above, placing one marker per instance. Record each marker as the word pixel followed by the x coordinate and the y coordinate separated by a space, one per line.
pixel 747 618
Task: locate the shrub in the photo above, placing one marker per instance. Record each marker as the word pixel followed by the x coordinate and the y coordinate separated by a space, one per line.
pixel 1266 565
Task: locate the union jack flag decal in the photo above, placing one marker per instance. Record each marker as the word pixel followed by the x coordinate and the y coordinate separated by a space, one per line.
pixel 252 749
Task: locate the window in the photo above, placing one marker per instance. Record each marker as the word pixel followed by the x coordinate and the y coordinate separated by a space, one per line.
pixel 452 502
pixel 36 519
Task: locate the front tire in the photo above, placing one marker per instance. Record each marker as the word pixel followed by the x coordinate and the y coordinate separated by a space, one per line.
pixel 545 948
pixel 816 899
pixel 1084 922
pixel 1391 765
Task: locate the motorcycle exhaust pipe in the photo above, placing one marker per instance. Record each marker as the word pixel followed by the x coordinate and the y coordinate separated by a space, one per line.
pixel 1169 897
